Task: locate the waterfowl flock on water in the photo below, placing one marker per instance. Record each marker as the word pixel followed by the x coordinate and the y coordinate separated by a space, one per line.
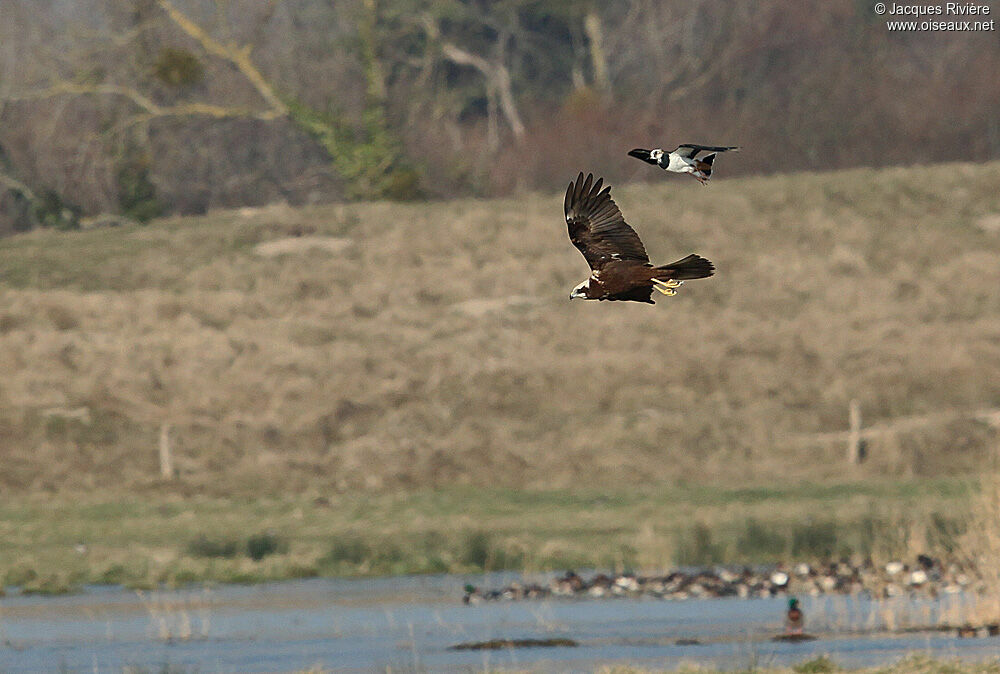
pixel 926 576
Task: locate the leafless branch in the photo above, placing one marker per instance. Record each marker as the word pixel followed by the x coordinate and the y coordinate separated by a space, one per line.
pixel 17 186
pixel 149 109
pixel 235 54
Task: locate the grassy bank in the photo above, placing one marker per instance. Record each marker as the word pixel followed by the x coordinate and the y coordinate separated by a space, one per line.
pixel 53 544
pixel 916 664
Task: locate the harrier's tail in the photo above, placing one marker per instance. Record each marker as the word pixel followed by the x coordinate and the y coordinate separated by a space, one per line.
pixel 690 267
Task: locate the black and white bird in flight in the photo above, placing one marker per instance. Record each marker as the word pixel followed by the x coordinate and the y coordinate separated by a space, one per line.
pixel 684 159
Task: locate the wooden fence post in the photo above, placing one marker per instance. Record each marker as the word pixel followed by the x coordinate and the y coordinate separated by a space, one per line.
pixel 166 461
pixel 855 443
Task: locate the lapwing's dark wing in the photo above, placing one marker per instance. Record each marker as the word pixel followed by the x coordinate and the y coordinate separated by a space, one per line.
pixel 596 225
pixel 689 150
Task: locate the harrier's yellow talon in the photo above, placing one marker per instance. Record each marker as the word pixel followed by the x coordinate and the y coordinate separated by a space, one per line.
pixel 667 287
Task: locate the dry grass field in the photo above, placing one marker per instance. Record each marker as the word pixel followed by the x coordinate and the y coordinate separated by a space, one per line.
pixel 386 346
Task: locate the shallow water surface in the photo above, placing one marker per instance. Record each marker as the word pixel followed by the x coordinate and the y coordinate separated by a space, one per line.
pixel 408 624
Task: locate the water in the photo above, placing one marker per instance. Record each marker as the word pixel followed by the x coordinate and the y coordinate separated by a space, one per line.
pixel 408 624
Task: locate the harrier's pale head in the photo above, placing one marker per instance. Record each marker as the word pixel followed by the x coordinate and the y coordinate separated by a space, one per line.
pixel 580 290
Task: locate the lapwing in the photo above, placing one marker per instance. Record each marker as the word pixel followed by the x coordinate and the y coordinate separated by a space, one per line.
pixel 684 159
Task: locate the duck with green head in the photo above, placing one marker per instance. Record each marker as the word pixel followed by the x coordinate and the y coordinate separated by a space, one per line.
pixel 794 618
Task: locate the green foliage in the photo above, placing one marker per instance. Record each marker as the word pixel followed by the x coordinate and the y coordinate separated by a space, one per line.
pixel 944 531
pixel 350 549
pixel 50 210
pixel 480 551
pixel 814 540
pixel 353 552
pixel 402 184
pixel 759 541
pixel 136 193
pixel 818 665
pixel 696 548
pixel 19 575
pixel 116 574
pixel 260 546
pixel 48 585
pixel 256 547
pixel 477 549
pixel 203 546
pixel 177 67
pixel 369 160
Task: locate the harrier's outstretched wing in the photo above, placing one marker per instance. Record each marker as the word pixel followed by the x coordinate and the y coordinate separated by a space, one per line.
pixel 597 227
pixel 689 150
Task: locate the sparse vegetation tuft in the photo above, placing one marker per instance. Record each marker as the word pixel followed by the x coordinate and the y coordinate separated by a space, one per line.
pixel 812 540
pixel 203 546
pixel 697 547
pixel 260 546
pixel 53 584
pixel 822 664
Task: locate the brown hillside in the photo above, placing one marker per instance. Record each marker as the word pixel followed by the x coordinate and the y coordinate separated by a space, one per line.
pixel 385 346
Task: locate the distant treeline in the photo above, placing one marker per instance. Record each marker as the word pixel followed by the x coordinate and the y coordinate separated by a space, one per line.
pixel 177 106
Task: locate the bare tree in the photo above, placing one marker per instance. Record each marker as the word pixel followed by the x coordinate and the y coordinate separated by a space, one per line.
pixel 496 74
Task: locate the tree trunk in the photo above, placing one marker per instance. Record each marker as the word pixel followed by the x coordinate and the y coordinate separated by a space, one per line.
pixel 598 59
pixel 374 73
pixel 497 80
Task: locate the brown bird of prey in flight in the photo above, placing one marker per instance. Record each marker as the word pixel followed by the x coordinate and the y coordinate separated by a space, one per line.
pixel 617 258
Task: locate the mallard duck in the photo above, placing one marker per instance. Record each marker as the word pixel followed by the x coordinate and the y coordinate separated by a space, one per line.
pixel 795 620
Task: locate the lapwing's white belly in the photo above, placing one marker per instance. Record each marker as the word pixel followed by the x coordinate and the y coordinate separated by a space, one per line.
pixel 680 164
